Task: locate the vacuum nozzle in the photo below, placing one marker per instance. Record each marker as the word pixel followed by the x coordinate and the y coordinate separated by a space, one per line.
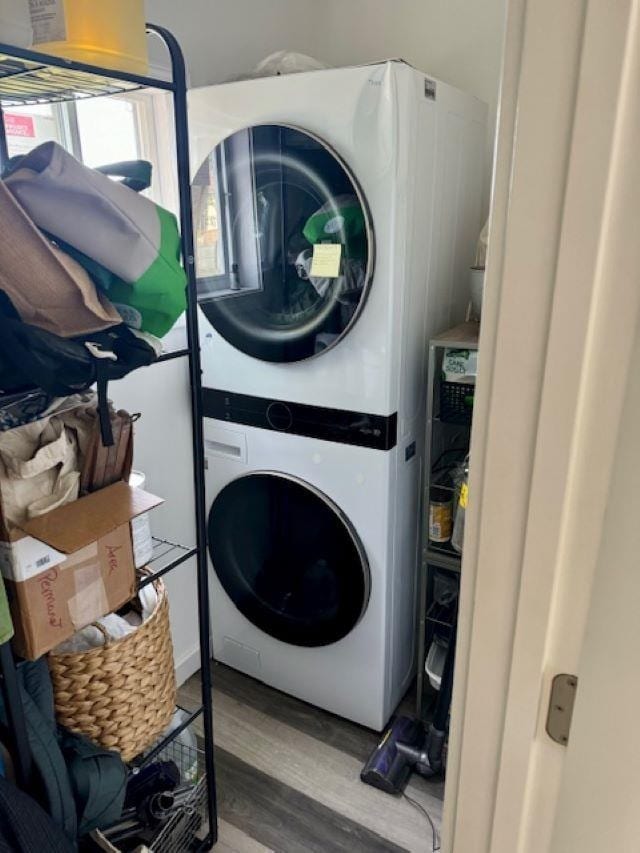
pixel 389 765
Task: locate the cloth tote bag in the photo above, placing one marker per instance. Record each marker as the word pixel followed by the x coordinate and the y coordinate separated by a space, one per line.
pixel 105 220
pixel 47 287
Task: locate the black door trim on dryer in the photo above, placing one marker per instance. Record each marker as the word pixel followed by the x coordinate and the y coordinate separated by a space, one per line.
pixel 378 432
pixel 289 558
pixel 272 185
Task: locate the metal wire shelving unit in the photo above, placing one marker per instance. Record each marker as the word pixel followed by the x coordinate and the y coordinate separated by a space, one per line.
pixel 444 430
pixel 27 77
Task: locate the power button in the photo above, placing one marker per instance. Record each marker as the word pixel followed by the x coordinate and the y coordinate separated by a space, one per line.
pixel 279 416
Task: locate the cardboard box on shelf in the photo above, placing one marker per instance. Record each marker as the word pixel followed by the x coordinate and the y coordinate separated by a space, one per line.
pixel 67 568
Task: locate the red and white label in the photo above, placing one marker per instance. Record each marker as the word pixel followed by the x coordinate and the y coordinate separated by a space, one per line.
pixel 17 125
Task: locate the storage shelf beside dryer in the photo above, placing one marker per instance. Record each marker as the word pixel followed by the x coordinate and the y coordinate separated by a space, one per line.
pixel 28 78
pixel 438 557
pixel 443 558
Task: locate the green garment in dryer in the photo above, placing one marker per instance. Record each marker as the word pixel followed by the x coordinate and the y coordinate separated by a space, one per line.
pixel 340 220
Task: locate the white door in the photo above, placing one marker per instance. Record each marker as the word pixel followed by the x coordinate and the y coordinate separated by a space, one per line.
pixel 550 580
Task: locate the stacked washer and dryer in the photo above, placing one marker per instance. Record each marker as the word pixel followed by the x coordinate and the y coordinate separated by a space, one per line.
pixel 336 214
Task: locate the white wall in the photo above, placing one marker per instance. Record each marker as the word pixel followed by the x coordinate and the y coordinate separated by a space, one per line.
pixel 457 41
pixel 223 39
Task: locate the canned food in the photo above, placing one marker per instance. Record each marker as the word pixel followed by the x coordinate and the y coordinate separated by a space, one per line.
pixel 440 516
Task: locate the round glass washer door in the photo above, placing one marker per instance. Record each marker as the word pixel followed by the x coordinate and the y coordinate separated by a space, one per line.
pixel 284 243
pixel 288 559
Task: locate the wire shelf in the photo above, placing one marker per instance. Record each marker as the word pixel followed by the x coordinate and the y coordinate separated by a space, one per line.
pixel 166 740
pixel 187 825
pixel 167 555
pixel 27 77
pixel 30 78
pixel 185 829
pixel 23 82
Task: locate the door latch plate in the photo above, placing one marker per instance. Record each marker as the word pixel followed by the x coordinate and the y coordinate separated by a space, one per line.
pixel 561 701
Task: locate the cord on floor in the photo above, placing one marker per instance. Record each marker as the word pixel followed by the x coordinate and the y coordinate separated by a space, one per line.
pixel 435 846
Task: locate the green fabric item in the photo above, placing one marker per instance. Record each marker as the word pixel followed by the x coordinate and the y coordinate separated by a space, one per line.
pixel 36 695
pixel 154 302
pixel 6 625
pixel 339 222
pixel 84 784
pixel 98 780
pixel 122 231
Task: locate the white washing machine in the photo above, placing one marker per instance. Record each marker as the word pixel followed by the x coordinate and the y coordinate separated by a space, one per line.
pixel 314 583
pixel 336 216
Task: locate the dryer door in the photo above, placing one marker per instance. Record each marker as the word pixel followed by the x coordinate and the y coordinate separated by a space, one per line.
pixel 288 559
pixel 284 243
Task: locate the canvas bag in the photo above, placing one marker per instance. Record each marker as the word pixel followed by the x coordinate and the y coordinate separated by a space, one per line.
pixel 39 469
pixel 47 287
pixel 103 465
pixel 126 233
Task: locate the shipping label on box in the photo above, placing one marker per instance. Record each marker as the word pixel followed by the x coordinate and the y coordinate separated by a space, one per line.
pixel 27 557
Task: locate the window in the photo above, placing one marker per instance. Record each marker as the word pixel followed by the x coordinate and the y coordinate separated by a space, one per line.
pixel 99 131
pixel 26 127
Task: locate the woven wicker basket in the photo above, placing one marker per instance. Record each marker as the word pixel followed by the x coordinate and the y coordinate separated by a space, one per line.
pixel 120 695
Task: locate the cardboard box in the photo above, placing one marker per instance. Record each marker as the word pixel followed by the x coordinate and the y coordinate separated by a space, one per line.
pixel 72 566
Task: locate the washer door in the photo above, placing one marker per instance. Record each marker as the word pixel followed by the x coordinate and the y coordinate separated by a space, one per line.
pixel 284 243
pixel 288 559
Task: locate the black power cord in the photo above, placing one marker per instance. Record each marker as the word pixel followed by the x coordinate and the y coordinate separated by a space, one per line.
pixel 435 846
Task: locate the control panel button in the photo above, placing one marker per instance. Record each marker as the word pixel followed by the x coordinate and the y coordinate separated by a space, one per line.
pixel 279 416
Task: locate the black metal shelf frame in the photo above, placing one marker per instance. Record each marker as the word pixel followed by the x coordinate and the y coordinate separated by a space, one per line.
pixel 29 77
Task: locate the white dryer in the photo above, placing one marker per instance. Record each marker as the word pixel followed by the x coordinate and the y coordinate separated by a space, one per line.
pixel 336 216
pixel 313 544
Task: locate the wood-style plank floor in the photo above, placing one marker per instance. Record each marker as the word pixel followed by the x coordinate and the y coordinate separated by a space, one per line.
pixel 288 778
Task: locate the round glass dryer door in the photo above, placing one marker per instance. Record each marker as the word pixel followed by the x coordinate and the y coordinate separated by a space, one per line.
pixel 284 243
pixel 288 559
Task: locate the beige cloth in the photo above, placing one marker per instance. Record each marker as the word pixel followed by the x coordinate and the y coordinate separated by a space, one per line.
pixel 47 287
pixel 40 464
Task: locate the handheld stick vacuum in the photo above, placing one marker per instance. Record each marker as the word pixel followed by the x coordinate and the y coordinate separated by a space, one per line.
pixel 408 744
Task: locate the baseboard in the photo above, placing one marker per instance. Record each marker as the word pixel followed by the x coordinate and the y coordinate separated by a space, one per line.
pixel 187 664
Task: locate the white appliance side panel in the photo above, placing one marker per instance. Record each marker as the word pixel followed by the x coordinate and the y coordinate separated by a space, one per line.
pixel 458 214
pixel 350 677
pixel 402 580
pixel 418 116
pixel 355 111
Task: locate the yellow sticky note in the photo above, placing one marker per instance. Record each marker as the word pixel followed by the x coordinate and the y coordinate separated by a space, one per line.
pixel 326 260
